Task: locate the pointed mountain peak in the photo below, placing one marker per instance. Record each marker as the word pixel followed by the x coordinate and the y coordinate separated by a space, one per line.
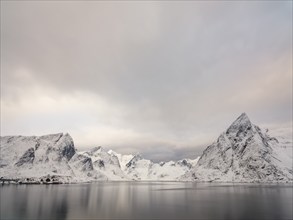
pixel 240 124
pixel 243 116
pixel 96 149
pixel 242 119
pixel 112 152
pixel 137 156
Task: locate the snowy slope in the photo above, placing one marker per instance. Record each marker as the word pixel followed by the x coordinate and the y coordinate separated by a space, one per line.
pixel 244 153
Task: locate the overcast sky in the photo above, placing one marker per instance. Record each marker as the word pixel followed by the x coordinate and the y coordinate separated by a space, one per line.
pixel 160 78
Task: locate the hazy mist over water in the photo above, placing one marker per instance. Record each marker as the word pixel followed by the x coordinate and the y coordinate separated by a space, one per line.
pixel 147 200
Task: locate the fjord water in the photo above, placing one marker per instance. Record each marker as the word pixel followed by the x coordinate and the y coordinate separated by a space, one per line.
pixel 147 200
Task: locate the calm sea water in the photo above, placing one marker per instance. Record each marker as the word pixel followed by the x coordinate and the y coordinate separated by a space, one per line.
pixel 147 200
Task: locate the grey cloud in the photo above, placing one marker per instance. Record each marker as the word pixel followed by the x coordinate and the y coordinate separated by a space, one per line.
pixel 172 69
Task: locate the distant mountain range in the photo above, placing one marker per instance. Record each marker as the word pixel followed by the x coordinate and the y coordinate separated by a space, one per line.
pixel 243 153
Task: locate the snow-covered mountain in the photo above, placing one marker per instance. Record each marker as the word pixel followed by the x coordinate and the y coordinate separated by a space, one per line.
pixel 139 168
pixel 53 159
pixel 106 163
pixel 134 167
pixel 244 153
pixel 48 158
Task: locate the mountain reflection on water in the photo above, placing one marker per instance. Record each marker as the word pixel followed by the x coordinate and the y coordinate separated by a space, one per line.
pixel 147 200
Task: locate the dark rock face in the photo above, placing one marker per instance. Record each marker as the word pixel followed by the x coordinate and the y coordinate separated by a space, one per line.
pixel 240 125
pixel 134 160
pixel 66 147
pixel 27 157
pixel 99 163
pixel 82 162
pixel 87 164
pixel 184 163
pixel 68 152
